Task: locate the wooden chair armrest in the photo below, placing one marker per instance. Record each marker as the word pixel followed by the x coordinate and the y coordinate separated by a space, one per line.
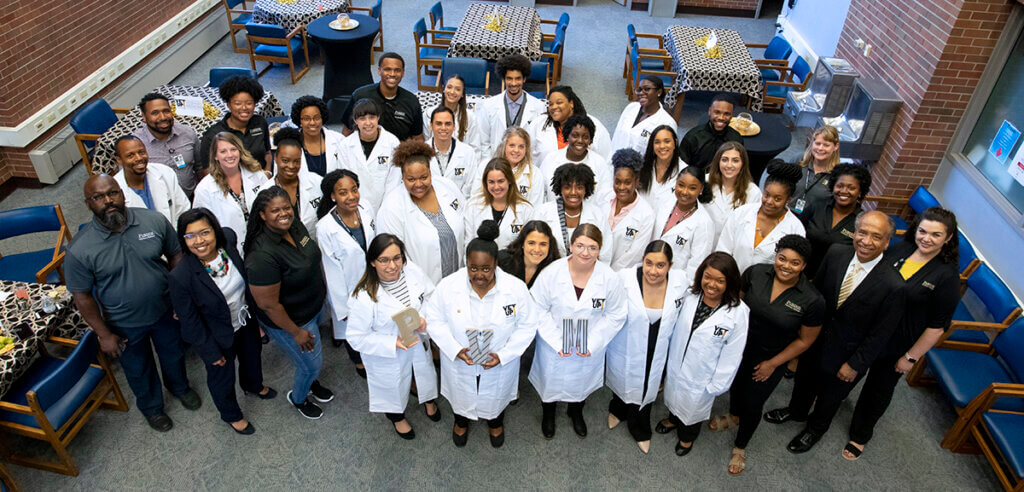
pixel 779 83
pixel 240 11
pixel 368 10
pixel 432 45
pixel 547 37
pixel 122 110
pixel 88 136
pixel 549 21
pixel 996 391
pixel 768 61
pixel 649 36
pixel 14 407
pixel 295 31
pixel 658 72
pixel 975 326
pixel 50 267
pixel 438 31
pixel 652 51
pixel 756 45
pixel 67 342
pixel 647 56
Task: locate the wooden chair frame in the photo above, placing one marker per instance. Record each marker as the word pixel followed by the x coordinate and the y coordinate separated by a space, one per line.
pixel 378 41
pixel 427 66
pixel 287 43
pixel 434 31
pixel 771 64
pixel 649 54
pixel 917 377
pixel 487 84
pixel 81 138
pixel 232 27
pixel 64 234
pixel 7 479
pixel 776 103
pixel 627 64
pixel 61 437
pixel 556 73
pixel 979 432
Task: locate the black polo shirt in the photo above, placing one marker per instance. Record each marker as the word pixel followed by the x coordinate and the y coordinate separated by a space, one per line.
pixel 699 145
pixel 817 219
pixel 255 139
pixel 774 325
pixel 932 295
pixel 401 115
pixel 273 260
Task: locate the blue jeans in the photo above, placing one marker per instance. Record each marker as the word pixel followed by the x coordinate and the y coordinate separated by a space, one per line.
pixel 307 364
pixel 140 369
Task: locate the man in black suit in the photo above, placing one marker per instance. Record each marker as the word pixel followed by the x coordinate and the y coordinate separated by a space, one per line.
pixel 861 300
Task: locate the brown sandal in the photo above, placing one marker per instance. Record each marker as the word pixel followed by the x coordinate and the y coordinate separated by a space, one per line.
pixel 738 460
pixel 721 422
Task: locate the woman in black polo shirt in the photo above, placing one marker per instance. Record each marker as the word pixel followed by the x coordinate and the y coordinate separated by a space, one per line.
pixel 832 222
pixel 786 313
pixel 241 94
pixel 287 283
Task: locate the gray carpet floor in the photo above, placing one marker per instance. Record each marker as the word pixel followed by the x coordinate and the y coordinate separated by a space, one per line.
pixel 352 449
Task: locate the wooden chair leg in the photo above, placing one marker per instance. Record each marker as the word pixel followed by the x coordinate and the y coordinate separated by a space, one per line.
pixel 677 109
pixel 917 376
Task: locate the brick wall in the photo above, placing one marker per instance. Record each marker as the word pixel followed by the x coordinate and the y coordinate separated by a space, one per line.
pixel 932 52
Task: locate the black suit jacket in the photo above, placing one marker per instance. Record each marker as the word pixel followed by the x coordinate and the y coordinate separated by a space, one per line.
pixel 859 331
pixel 201 308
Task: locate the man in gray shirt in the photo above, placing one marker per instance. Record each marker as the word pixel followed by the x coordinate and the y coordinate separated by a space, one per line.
pixel 116 272
pixel 170 144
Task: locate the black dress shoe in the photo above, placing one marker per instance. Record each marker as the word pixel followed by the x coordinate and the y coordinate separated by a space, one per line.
pixel 547 427
pixel 408 436
pixel 361 371
pixel 803 442
pixel 160 422
pixel 782 415
pixel 248 430
pixel 434 417
pixel 683 450
pixel 460 441
pixel 663 429
pixel 190 400
pixel 269 395
pixel 579 426
pixel 498 440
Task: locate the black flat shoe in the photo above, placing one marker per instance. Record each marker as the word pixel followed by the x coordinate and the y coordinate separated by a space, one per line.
pixel 269 395
pixel 683 450
pixel 547 427
pixel 781 416
pixel 190 400
pixel 247 431
pixel 408 436
pixel 803 442
pixel 498 440
pixel 436 416
pixel 460 441
pixel 361 371
pixel 663 429
pixel 579 426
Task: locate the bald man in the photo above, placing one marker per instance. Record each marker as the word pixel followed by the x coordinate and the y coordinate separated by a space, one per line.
pixel 115 270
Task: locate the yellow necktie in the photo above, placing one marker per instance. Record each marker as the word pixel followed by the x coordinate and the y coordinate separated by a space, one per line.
pixel 847 288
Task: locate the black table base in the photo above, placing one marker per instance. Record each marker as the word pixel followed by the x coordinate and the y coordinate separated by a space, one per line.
pixel 347 54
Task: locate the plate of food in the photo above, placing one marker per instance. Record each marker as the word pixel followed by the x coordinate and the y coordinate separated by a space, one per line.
pixel 745 125
pixel 344 23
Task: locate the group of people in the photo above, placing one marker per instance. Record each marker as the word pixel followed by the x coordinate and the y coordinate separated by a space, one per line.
pixel 634 260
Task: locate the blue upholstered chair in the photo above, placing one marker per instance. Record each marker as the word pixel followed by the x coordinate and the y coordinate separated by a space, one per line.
pixel 45 265
pixel 236 24
pixel 54 399
pixel 638 68
pixel 776 56
pixel 428 55
pixel 918 201
pixel 547 39
pixel 1000 436
pixel 89 123
pixel 272 44
pixel 375 12
pixel 219 74
pixel 969 260
pixel 553 55
pixel 473 71
pixel 445 33
pixel 538 82
pixel 966 333
pixel 795 79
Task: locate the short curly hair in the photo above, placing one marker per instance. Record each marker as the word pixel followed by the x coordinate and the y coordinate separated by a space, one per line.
pixel 237 85
pixel 569 173
pixel 513 62
pixel 305 102
pixel 411 151
pixel 796 243
pixel 578 120
pixel 860 173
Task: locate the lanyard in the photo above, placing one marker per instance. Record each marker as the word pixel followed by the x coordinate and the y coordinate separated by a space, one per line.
pixel 437 154
pixel 807 180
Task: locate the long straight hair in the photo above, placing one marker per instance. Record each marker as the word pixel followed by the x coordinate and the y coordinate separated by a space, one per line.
pixel 743 179
pixel 512 197
pixel 463 118
pixel 370 280
pixel 245 159
pixel 646 178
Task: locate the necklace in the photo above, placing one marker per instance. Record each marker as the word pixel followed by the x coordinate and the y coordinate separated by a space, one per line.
pixel 567 214
pixel 222 267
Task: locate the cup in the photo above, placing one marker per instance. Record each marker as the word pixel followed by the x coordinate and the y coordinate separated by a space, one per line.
pixel 343 20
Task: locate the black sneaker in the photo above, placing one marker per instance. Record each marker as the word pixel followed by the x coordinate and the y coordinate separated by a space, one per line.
pixel 308 409
pixel 190 400
pixel 160 422
pixel 319 393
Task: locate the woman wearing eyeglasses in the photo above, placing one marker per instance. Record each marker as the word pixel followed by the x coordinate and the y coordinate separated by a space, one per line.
pixel 321 146
pixel 640 118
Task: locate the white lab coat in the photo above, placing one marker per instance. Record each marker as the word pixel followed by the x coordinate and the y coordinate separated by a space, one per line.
pixel 544 140
pixel 593 213
pixel 661 192
pixel 626 357
pixel 490 115
pixel 721 206
pixel 377 176
pixel 477 211
pixel 459 168
pixel 635 137
pixel 603 176
pixel 532 184
pixel 702 364
pixel 225 208
pixel 403 218
pixel 309 196
pixel 514 319
pixel 631 235
pixel 344 262
pixel 692 239
pixel 737 236
pixel 389 370
pixel 602 303
pixel 473 135
pixel 168 198
pixel 333 148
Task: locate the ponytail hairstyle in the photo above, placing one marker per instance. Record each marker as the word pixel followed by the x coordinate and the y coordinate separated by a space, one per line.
pixel 256 225
pixel 327 189
pixel 370 281
pixel 659 246
pixel 410 152
pixel 705 190
pixel 484 240
pixel 288 136
pixel 785 174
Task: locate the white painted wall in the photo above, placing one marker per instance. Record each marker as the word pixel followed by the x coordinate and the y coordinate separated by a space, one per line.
pixel 813 26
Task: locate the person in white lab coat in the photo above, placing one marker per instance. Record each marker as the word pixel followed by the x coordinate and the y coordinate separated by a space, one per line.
pixel 145 186
pixel 453 97
pixel 515 148
pixel 232 184
pixel 662 163
pixel 345 228
pixel 752 230
pixel 731 184
pixel 367 153
pixel 586 306
pixel 706 348
pixel 453 158
pixel 546 129
pixel 321 147
pixel 573 184
pixel 499 200
pixel 685 224
pixel 635 359
pixel 482 325
pixel 630 217
pixel 512 107
pixel 640 118
pixel 302 186
pixel 426 213
pixel 390 285
pixel 577 132
pixel 532 251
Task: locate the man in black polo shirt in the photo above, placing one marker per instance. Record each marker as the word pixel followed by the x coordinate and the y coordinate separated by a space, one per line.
pixel 116 273
pixel 400 111
pixel 699 144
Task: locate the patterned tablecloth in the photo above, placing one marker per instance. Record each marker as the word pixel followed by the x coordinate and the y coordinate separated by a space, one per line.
pixel 292 15
pixel 103 157
pixel 521 34
pixel 65 322
pixel 734 72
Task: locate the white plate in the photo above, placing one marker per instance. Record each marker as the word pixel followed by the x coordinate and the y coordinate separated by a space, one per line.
pixel 336 25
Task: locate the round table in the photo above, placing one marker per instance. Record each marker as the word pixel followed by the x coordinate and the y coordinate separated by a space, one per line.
pixel 299 13
pixel 347 54
pixel 774 138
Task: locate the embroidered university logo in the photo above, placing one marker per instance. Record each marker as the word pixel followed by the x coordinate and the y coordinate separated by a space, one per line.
pixel 146 235
pixel 720 332
pixel 454 204
pixel 794 307
pixel 509 310
pixel 598 302
pixel 679 303
pixel 523 189
pixel 631 233
pixel 645 134
pixel 421 297
pixel 383 159
pixel 315 203
pixel 680 241
pixel 516 228
pixel 459 171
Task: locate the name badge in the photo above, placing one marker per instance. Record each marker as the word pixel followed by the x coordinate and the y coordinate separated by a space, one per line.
pixel 928 285
pixel 256 132
pixel 146 235
pixel 179 161
pixel 847 233
pixel 304 240
pixel 793 306
pixel 799 205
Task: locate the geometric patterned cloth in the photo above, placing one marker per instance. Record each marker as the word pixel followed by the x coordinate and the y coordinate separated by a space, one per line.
pixel 103 156
pixel 733 72
pixel 65 322
pixel 300 13
pixel 521 33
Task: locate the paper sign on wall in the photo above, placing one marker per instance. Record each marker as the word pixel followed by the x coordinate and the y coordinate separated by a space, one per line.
pixel 1004 141
pixel 1016 168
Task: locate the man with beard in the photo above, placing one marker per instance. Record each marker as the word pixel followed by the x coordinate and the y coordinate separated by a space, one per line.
pixel 400 111
pixel 152 187
pixel 699 144
pixel 173 145
pixel 116 272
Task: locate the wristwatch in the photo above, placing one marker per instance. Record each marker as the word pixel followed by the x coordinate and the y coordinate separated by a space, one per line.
pixel 909 358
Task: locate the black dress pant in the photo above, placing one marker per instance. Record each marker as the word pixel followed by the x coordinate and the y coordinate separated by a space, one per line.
pixel 637 418
pixel 807 381
pixel 221 379
pixel 494 423
pixel 353 354
pixel 575 408
pixel 875 397
pixel 831 393
pixel 747 397
pixel 685 433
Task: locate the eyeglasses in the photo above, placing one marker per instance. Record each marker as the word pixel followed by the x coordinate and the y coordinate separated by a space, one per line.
pixel 581 248
pixel 397 259
pixel 641 88
pixel 99 197
pixel 311 119
pixel 205 234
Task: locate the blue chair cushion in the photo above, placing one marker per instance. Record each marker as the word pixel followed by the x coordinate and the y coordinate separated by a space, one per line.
pixel 769 74
pixel 58 413
pixel 433 53
pixel 901 223
pixel 22 267
pixel 277 50
pixel 972 336
pixel 1007 432
pixel 445 28
pixel 537 94
pixel 242 19
pixel 776 91
pixel 444 36
pixel 964 375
